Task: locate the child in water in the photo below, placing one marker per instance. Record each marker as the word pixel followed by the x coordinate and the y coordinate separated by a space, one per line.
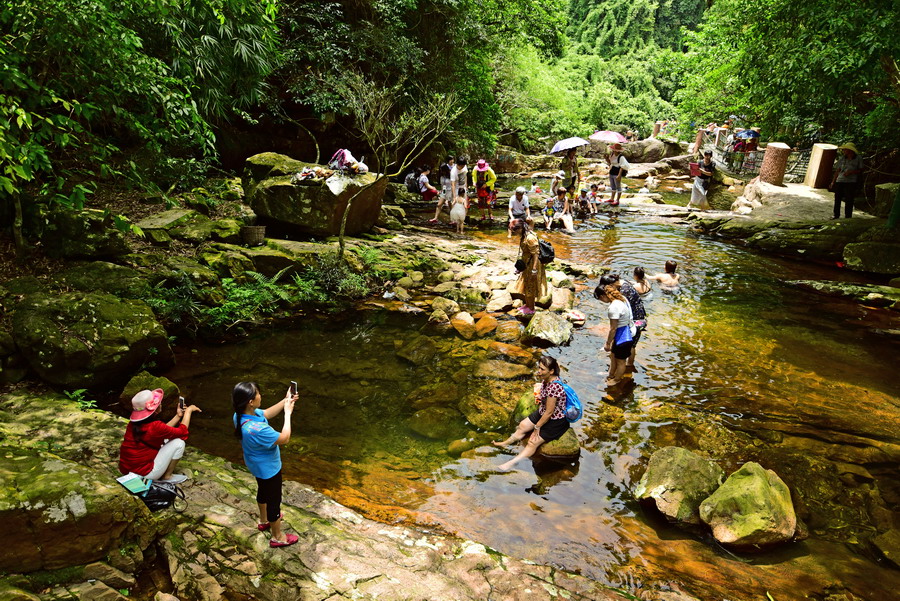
pixel 640 282
pixel 458 210
pixel 668 280
pixel 595 199
pixel 584 202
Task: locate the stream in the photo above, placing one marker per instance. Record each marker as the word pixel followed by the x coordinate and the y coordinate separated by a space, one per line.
pixel 801 380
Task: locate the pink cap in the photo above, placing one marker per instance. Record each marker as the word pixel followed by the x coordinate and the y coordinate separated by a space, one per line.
pixel 481 165
pixel 145 403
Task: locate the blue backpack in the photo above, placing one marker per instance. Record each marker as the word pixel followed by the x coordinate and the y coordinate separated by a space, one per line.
pixel 573 404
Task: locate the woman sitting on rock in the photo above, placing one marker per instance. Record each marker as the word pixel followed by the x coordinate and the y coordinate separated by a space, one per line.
pixel 152 448
pixel 261 454
pixel 547 422
pixel 532 283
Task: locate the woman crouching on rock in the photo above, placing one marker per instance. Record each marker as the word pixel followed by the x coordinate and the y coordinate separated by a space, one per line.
pixel 547 422
pixel 261 453
pixel 152 448
pixel 532 282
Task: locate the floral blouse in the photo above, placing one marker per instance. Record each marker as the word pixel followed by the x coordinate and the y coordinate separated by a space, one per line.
pixel 553 389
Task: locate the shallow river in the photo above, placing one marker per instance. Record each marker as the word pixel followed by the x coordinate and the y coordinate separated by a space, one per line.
pixel 795 374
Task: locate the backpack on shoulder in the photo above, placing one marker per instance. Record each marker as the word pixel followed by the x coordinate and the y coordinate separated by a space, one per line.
pixel 546 254
pixel 573 403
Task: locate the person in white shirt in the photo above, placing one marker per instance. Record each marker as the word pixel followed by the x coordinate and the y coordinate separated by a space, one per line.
pixel 621 332
pixel 519 207
pixel 445 198
pixel 618 166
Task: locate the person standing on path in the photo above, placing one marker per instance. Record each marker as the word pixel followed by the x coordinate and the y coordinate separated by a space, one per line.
pixel 618 166
pixel 458 176
pixel 532 282
pixel 701 183
pixel 547 422
pixel 458 210
pixel 260 443
pixel 845 182
pixel 484 180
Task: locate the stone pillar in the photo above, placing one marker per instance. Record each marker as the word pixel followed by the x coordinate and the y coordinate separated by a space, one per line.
pixel 698 142
pixel 821 161
pixel 774 163
pixel 656 127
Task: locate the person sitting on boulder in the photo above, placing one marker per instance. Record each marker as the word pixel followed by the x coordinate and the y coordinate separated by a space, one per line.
pixel 152 448
pixel 548 421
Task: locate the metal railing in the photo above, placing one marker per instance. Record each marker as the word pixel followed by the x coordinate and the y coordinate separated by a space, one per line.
pixel 749 162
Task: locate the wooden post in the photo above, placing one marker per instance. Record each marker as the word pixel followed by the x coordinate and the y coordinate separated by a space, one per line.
pixel 774 163
pixel 821 160
pixel 656 127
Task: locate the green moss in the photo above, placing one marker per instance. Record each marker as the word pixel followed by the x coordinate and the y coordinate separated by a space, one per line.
pixel 43 579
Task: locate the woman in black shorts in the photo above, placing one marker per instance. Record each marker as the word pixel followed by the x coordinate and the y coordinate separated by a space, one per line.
pixel 547 422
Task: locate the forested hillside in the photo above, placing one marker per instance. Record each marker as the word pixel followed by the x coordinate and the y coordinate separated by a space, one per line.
pixel 153 92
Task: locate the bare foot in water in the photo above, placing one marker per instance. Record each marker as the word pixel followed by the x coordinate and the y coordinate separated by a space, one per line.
pixel 499 443
pixel 504 467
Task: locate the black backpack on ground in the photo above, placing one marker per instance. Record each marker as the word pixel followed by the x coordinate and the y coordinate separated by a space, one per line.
pixel 161 495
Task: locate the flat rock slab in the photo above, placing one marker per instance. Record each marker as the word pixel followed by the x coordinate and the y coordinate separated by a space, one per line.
pixel 167 219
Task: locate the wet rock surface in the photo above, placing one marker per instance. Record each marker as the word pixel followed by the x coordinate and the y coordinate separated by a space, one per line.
pixel 677 481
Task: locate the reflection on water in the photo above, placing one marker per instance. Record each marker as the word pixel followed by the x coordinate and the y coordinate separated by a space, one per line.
pixel 793 374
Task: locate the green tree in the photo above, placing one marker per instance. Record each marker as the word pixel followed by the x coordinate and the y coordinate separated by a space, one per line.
pixel 789 65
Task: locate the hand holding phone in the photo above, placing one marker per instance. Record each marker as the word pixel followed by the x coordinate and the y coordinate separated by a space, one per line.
pixel 293 388
pixel 181 404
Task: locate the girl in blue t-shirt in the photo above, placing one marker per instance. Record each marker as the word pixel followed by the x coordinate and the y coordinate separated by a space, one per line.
pixel 261 454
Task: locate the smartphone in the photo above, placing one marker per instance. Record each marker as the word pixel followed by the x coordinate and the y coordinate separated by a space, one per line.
pixel 293 388
pixel 181 403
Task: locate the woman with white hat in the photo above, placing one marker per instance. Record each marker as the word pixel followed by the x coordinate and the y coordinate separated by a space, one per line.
pixel 152 448
pixel 846 179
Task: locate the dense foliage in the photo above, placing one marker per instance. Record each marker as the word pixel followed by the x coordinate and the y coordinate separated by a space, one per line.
pixel 798 68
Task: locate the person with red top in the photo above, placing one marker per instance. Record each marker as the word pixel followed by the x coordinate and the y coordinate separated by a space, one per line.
pixel 152 448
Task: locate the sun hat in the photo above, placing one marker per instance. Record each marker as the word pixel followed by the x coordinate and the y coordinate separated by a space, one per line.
pixel 849 146
pixel 615 146
pixel 481 165
pixel 145 403
pixel 520 190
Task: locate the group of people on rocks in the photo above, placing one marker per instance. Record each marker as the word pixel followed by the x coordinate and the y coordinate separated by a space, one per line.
pixel 627 320
pixel 568 196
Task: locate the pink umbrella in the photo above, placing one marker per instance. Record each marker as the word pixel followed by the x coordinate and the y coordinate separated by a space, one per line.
pixel 608 136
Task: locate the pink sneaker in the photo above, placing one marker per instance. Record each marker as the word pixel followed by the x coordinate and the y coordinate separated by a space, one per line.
pixel 266 525
pixel 289 539
pixel 526 311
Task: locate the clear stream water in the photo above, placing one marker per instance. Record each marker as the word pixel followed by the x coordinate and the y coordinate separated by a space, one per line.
pixel 795 374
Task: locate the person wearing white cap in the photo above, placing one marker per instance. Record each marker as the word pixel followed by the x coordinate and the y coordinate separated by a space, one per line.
pixel 846 179
pixel 518 205
pixel 152 448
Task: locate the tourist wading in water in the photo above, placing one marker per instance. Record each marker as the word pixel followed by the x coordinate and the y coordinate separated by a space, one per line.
pixel 152 448
pixel 261 454
pixel 620 340
pixel 532 282
pixel 547 422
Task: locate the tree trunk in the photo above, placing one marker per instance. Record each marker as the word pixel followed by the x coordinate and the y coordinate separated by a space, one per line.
pixel 21 246
pixel 774 163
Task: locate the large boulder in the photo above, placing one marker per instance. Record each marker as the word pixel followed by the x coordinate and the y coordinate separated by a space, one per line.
pixel 752 508
pixel 547 329
pixel 677 481
pixel 874 257
pixel 86 340
pixel 100 276
pixel 89 234
pixel 316 207
pixel 68 514
pixel 884 198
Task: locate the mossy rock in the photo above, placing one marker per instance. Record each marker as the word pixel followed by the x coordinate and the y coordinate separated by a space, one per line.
pixel 227 230
pixel 168 220
pixel 100 276
pixel 227 263
pixel 441 423
pixel 86 340
pixel 147 381
pixel 89 234
pixel 198 229
pixel 524 407
pixel 68 514
pixel 677 481
pixel 873 257
pixel 269 164
pixel 420 350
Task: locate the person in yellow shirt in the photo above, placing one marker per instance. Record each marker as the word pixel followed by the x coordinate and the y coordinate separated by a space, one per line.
pixel 484 179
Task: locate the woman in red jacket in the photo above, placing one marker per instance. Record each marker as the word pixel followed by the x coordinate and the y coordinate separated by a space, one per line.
pixel 151 447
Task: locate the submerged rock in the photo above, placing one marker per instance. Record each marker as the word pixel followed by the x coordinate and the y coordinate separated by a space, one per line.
pixel 752 508
pixel 440 423
pixel 418 351
pixel 677 481
pixel 509 331
pixel 548 329
pixel 464 324
pixel 501 370
pixel 80 340
pixel 888 543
